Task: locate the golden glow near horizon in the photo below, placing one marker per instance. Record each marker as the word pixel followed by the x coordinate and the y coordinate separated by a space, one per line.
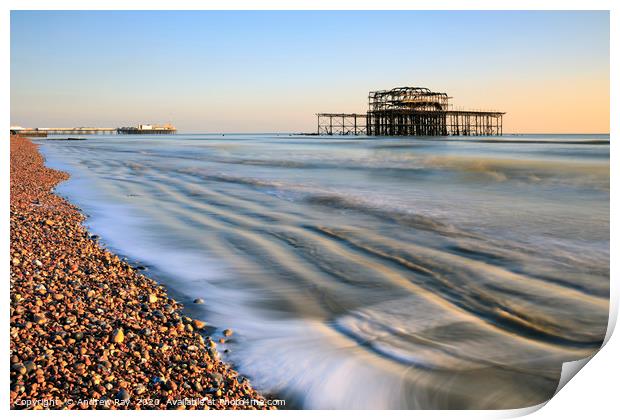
pixel 556 105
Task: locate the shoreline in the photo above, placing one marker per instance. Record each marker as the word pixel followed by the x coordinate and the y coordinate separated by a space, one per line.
pixel 90 331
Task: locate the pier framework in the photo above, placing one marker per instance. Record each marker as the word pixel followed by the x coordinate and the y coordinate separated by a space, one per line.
pixel 342 124
pixel 412 111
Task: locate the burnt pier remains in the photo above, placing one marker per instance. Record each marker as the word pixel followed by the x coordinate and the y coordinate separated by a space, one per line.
pixel 412 111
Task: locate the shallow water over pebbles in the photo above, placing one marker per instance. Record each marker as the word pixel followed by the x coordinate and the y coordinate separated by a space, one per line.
pixel 368 272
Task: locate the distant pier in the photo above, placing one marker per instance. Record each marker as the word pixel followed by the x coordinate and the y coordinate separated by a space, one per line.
pixel 140 129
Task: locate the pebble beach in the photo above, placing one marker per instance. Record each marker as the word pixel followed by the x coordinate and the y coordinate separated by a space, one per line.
pixel 90 331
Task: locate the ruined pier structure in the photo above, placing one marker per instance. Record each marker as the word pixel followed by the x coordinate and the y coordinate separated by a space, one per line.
pixel 412 111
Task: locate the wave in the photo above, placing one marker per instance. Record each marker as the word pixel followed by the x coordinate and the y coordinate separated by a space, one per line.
pixel 587 174
pixel 408 219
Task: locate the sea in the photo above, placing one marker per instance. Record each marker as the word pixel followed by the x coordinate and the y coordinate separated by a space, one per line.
pixel 367 272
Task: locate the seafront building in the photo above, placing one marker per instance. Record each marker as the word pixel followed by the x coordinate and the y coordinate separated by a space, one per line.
pixel 148 129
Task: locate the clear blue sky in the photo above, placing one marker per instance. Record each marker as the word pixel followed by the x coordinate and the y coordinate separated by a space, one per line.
pixel 271 71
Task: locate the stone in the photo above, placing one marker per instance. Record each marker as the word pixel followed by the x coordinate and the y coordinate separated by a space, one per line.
pixel 171 385
pixel 118 336
pixel 216 378
pixel 30 366
pixel 19 368
pixel 198 324
pixel 39 319
pixel 123 394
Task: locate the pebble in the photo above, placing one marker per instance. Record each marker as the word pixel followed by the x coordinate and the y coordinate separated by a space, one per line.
pixel 227 332
pixel 19 368
pixel 216 378
pixel 171 385
pixel 198 324
pixel 118 336
pixel 198 300
pixel 123 394
pixel 30 366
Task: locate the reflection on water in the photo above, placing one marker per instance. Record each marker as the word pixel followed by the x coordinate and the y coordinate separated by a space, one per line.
pixel 368 272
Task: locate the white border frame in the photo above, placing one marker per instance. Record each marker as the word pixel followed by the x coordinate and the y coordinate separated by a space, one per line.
pixel 592 394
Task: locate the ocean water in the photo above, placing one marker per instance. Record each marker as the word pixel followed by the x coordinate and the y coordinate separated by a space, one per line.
pixel 364 272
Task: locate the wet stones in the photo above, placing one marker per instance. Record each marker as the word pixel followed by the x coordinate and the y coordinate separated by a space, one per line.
pixel 198 324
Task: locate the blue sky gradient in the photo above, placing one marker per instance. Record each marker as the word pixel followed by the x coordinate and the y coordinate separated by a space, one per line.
pixel 271 71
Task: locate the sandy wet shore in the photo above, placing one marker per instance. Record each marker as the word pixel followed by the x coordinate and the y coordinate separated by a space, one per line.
pixel 90 331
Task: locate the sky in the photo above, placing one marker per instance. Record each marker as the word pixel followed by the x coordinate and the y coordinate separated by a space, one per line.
pixel 272 71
